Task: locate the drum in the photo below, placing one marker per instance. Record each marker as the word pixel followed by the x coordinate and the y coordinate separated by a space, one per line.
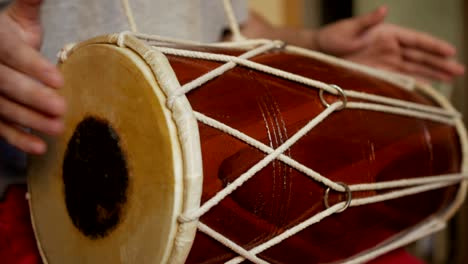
pixel 252 151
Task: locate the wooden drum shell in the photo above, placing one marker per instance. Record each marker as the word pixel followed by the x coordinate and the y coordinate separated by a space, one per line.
pixel 350 146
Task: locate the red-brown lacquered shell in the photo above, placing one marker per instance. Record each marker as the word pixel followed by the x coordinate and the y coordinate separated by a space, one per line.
pixel 351 146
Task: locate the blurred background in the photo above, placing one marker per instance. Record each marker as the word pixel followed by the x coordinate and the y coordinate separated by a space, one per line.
pixel 445 19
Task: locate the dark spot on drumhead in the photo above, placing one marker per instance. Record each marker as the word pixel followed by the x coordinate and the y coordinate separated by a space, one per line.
pixel 95 177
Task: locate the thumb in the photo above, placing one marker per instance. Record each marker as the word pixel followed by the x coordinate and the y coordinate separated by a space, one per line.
pixel 369 20
pixel 25 11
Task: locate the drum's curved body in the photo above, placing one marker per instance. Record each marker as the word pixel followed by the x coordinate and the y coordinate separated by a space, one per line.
pixel 112 188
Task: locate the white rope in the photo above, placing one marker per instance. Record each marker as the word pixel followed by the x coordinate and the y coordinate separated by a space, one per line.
pixel 352 94
pixel 318 177
pixel 290 232
pixel 462 137
pixel 155 40
pixel 314 83
pixel 261 164
pixel 402 81
pixel 229 244
pixel 268 150
pixel 233 25
pixel 428 228
pixel 382 104
pixel 403 104
pixel 400 193
pixel 246 63
pixel 409 109
pixel 216 72
pixel 129 14
pixel 333 209
pixel 62 55
pixel 400 111
pixel 456 177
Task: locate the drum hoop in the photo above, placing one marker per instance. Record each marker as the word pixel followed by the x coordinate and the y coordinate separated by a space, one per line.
pixel 184 120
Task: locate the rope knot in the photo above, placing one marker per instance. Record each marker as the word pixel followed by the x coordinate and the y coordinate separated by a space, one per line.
pixel 186 218
pixel 62 55
pixel 147 56
pixel 121 38
pixel 173 96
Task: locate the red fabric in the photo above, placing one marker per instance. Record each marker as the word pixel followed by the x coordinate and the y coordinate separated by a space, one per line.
pixel 399 256
pixel 17 243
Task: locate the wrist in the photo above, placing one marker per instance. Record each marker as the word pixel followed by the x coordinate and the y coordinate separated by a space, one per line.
pixel 318 43
pixel 310 39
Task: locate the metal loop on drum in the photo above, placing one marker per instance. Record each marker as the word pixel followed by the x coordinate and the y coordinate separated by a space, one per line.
pixel 344 98
pixel 349 197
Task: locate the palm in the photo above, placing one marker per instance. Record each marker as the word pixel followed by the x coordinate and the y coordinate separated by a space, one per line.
pixel 367 40
pixel 393 48
pixel 380 48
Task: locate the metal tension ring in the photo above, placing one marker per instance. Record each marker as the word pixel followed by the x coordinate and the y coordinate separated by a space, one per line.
pixel 344 98
pixel 349 197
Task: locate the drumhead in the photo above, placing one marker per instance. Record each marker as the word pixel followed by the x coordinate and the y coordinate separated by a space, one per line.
pixel 110 189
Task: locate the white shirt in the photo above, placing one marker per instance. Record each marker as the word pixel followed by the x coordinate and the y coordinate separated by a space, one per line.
pixel 68 21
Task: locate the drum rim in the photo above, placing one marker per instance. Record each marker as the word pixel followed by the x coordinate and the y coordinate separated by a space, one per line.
pixel 190 192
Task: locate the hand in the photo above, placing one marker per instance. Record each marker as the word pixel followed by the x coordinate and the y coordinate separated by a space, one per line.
pixel 28 82
pixel 367 40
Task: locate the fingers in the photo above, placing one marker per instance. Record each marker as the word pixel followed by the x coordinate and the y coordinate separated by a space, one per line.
pixel 27 103
pixel 24 141
pixel 15 113
pixel 18 55
pixel 446 66
pixel 420 71
pixel 25 91
pixel 426 42
pixel 26 79
pixel 371 19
